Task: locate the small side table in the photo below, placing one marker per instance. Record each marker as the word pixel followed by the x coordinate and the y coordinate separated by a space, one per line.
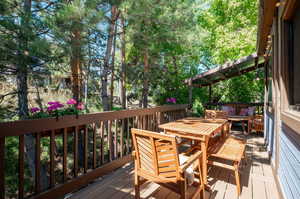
pixel 243 120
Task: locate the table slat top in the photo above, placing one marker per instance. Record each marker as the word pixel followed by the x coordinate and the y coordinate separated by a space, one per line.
pixel 195 126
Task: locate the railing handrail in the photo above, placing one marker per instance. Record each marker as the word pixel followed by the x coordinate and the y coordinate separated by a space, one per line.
pixel 107 132
pixel 235 103
pixel 22 127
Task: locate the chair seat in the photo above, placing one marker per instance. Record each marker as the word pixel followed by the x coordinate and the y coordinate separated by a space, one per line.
pixel 230 149
pixel 228 154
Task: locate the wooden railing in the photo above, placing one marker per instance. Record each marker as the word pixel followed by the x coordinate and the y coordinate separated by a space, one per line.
pixel 105 142
pixel 259 107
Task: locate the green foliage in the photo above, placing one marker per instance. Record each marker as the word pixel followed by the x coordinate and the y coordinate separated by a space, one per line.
pixel 231 28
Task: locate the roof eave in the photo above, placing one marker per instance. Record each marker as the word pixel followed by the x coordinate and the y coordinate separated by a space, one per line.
pixel 267 10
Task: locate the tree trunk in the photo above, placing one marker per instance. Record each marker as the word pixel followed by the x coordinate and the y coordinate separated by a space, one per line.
pixel 146 80
pixel 22 90
pixel 22 73
pixel 76 65
pixel 113 68
pixel 104 93
pixel 123 65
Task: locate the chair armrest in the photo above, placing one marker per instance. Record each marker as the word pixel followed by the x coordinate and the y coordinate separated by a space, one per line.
pixel 191 160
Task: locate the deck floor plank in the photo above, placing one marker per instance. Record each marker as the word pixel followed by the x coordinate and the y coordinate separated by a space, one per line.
pixel 256 179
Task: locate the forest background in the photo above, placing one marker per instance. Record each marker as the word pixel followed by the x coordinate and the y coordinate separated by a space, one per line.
pixel 116 54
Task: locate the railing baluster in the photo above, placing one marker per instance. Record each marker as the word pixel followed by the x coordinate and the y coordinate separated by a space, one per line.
pixel 37 163
pixel 127 133
pixel 52 160
pixel 2 163
pixel 109 141
pixel 122 137
pixel 21 166
pixel 102 142
pixel 154 122
pixel 76 152
pixel 65 154
pixel 85 150
pixel 94 146
pixel 116 140
pixel 114 143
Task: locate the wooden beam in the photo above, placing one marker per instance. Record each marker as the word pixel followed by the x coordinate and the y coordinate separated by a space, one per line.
pixel 266 12
pixel 210 93
pixel 190 95
pixel 224 67
pixel 290 9
pixel 241 72
pixel 222 75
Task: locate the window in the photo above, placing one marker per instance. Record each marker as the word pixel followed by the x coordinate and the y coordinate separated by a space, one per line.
pixel 294 62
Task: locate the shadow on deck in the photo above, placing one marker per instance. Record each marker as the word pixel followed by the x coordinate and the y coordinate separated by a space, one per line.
pixel 256 178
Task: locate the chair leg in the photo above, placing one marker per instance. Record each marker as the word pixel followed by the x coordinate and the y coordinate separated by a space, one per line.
pixel 245 159
pixel 202 187
pixel 137 185
pixel 237 178
pixel 183 189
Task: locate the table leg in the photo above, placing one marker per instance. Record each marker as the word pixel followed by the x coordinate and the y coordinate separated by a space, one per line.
pixel 243 125
pixel 230 124
pixel 248 126
pixel 204 162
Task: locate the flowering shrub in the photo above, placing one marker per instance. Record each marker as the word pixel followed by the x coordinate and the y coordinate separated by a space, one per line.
pixel 171 100
pixel 56 109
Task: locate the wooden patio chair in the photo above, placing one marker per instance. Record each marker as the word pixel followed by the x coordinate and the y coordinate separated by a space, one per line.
pixel 214 114
pixel 257 123
pixel 227 151
pixel 156 159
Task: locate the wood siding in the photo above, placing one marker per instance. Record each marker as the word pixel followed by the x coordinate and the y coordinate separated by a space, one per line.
pixel 289 163
pixel 270 136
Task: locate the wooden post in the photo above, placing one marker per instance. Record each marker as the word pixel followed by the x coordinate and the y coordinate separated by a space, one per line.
pixel 210 93
pixel 2 164
pixel 190 93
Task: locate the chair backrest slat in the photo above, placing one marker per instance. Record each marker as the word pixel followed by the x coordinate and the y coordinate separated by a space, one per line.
pixel 156 154
pixel 214 114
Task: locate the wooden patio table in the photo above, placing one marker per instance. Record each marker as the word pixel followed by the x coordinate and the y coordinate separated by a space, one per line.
pixel 198 129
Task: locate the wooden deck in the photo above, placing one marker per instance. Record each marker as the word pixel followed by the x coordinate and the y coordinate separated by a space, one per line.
pixel 256 178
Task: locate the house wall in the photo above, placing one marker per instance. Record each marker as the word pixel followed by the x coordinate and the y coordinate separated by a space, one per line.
pixel 289 163
pixel 282 125
pixel 270 135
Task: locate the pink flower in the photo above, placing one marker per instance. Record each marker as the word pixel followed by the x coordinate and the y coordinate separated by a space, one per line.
pixel 34 109
pixel 59 105
pixel 71 101
pixel 80 106
pixel 52 103
pixel 56 103
pixel 171 100
pixel 54 106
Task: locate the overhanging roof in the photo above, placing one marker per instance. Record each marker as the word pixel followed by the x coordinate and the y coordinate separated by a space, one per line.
pixel 226 71
pixel 266 13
